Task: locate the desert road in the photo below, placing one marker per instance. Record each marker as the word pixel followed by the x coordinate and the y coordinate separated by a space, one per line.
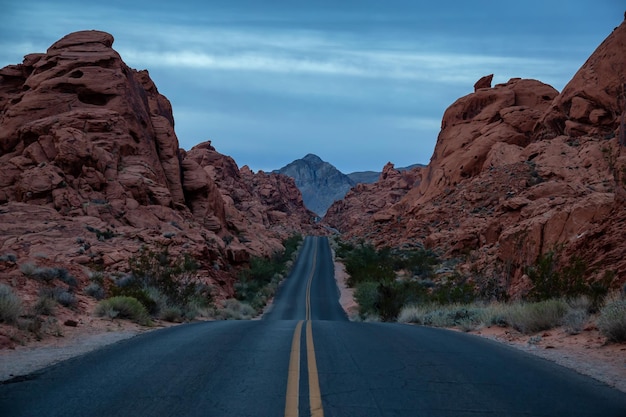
pixel 304 358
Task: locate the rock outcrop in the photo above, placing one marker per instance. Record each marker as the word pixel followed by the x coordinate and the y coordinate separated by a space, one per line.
pixel 518 170
pixel 91 171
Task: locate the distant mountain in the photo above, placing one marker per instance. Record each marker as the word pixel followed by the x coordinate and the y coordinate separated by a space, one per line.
pixel 320 183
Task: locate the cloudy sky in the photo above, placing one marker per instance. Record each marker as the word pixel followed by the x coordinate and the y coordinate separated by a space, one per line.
pixel 357 82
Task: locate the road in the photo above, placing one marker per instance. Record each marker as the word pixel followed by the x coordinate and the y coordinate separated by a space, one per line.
pixel 306 359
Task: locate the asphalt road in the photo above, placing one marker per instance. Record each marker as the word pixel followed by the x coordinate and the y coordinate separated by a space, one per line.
pixel 304 358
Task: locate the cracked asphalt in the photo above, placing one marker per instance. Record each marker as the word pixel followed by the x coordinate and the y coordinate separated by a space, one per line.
pixel 305 358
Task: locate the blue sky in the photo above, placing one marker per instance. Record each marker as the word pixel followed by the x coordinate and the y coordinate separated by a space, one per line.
pixel 358 82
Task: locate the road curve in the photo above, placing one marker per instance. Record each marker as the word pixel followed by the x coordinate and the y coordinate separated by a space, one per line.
pixel 305 359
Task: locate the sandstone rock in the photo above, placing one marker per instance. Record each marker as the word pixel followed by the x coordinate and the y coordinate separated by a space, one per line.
pixel 518 171
pixel 483 82
pixel 91 172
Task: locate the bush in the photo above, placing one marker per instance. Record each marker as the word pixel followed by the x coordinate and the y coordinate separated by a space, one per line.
pixel 534 317
pixel 123 307
pixel 235 310
pixel 10 305
pixel 95 290
pixel 8 257
pixel 45 305
pixel 172 314
pixel 575 319
pixel 366 295
pixel 612 321
pixel 61 295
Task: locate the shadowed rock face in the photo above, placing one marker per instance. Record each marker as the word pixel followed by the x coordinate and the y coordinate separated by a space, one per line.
pixel 87 143
pixel 518 170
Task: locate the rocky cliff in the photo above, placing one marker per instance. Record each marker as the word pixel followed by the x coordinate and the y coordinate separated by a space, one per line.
pixel 91 171
pixel 518 170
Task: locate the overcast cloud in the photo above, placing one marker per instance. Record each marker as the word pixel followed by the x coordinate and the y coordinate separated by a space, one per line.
pixel 359 83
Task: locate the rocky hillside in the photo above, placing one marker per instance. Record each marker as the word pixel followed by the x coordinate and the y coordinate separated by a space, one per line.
pixel 320 183
pixel 91 171
pixel 519 170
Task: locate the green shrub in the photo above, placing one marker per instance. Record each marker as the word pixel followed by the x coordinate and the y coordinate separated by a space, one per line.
pixel 532 317
pixel 10 305
pixel 366 263
pixel 612 321
pixel 123 307
pixel 466 317
pixel 575 319
pixel 366 295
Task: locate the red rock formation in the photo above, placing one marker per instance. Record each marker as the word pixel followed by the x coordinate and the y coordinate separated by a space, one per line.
pixel 519 170
pixel 370 204
pixel 91 170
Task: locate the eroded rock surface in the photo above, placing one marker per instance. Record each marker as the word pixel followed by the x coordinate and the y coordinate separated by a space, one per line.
pixel 91 171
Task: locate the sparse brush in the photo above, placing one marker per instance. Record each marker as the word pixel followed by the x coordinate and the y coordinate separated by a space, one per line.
pixel 612 321
pixel 45 305
pixel 95 290
pixel 534 317
pixel 172 314
pixel 575 319
pixel 28 268
pixel 235 310
pixel 10 305
pixel 8 257
pixel 123 307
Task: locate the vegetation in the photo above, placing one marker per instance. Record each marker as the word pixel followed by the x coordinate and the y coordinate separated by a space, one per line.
pixel 612 321
pixel 258 283
pixel 123 307
pixel 162 284
pixel 10 305
pixel 414 286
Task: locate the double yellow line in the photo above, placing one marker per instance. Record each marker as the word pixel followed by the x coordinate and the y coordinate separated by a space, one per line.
pixel 293 381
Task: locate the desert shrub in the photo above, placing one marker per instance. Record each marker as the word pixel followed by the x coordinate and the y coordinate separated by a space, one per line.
pixel 366 295
pixel 123 307
pixel 172 314
pixel 365 263
pixel 453 290
pixel 10 305
pixel 420 262
pixel 612 321
pixel 8 257
pixel 61 295
pixel 28 268
pixel 45 305
pixel 569 281
pixel 575 319
pixel 95 290
pixel 174 278
pixel 234 309
pixel 464 316
pixel 532 317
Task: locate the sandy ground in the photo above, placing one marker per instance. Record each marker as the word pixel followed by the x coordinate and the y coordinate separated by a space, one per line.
pixel 587 352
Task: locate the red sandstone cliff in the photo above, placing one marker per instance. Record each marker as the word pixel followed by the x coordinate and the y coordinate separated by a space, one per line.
pixel 518 170
pixel 91 170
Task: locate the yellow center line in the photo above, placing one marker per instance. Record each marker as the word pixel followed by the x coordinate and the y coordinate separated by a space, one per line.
pixel 293 380
pixel 315 395
pixel 308 286
pixel 292 401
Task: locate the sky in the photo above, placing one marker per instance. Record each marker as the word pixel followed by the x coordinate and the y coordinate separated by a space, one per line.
pixel 357 82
